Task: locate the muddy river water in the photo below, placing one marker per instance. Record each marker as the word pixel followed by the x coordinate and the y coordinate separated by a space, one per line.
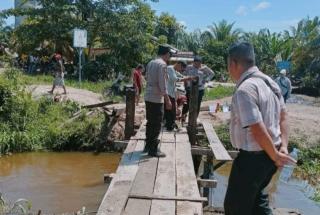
pixel 65 182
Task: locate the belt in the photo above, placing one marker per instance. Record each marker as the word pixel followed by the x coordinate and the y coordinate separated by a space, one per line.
pixel 257 152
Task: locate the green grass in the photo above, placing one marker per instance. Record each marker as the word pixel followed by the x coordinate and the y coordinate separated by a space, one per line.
pixel 218 92
pixel 32 125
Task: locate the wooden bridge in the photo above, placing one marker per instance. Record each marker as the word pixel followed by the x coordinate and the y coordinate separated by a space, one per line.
pixel 148 185
pixel 144 185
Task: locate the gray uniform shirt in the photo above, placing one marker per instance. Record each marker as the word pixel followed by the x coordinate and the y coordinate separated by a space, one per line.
pixel 204 74
pixel 156 78
pixel 255 102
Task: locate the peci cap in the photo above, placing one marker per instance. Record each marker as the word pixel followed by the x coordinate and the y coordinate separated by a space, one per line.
pixel 197 59
pixel 165 49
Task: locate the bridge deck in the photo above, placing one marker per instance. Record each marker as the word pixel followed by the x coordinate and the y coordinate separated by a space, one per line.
pixel 145 185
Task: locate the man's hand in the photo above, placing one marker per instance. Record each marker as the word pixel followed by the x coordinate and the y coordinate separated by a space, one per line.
pixel 168 105
pixel 282 159
pixel 284 150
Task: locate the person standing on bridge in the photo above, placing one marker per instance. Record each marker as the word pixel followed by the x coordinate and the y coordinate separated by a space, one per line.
pixel 155 95
pixel 174 76
pixel 259 129
pixel 204 73
pixel 284 84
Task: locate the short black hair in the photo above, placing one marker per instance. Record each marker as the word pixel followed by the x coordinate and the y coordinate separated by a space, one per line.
pixel 243 53
pixel 163 50
pixel 140 66
pixel 182 63
pixel 197 59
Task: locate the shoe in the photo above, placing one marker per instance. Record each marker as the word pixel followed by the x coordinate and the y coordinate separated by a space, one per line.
pixel 158 154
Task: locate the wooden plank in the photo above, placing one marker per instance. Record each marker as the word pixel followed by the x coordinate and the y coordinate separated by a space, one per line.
pixel 143 185
pixel 186 178
pixel 102 104
pixel 116 196
pixel 220 153
pixel 208 183
pixel 196 150
pixel 175 198
pixel 165 183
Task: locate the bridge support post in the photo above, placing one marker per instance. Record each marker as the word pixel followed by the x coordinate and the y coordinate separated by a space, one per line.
pixel 130 112
pixel 192 121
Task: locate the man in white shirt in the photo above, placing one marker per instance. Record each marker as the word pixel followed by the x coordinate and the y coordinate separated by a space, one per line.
pixel 259 129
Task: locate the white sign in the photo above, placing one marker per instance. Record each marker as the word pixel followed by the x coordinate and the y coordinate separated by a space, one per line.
pixel 79 38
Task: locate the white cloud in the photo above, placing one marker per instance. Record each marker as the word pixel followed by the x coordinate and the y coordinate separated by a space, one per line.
pixel 262 6
pixel 242 10
pixel 183 23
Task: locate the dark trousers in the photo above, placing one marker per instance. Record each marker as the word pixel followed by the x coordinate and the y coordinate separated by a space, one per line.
pixel 185 108
pixel 250 174
pixel 170 115
pixel 154 115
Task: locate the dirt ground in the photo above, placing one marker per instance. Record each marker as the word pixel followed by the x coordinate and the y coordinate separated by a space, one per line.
pixel 303 112
pixel 83 97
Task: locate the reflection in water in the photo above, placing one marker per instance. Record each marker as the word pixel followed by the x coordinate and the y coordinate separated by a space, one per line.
pixel 282 195
pixel 57 182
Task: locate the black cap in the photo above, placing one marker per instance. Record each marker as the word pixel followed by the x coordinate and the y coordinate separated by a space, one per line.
pixel 197 59
pixel 165 49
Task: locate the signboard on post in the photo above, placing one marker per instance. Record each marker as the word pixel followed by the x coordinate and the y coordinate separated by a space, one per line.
pixel 79 41
pixel 79 38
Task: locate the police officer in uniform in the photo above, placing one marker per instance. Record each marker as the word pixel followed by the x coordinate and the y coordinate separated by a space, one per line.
pixel 258 128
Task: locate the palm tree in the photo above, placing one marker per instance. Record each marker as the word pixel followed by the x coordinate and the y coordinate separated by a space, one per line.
pixel 223 31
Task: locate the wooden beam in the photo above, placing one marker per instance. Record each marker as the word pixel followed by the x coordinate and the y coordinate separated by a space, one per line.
pixel 120 143
pixel 130 112
pixel 220 153
pixel 207 151
pixel 175 198
pixel 102 104
pixel 208 183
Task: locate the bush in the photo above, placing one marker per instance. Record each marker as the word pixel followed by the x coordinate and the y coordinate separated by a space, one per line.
pixel 29 125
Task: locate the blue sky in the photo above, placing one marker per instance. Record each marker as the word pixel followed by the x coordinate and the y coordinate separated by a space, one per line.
pixel 250 15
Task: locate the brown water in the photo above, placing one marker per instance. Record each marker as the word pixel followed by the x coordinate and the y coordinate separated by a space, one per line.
pixel 57 182
pixel 282 195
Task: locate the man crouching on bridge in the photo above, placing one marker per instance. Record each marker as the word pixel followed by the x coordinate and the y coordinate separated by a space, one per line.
pixel 258 129
pixel 155 94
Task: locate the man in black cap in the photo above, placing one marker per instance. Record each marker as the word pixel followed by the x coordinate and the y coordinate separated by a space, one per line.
pixel 156 94
pixel 204 74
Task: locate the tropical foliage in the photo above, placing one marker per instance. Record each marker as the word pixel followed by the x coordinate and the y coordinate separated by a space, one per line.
pixel 129 31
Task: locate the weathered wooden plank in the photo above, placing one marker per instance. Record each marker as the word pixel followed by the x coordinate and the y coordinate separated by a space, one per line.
pixel 116 196
pixel 143 185
pixel 176 198
pixel 196 150
pixel 186 178
pixel 165 183
pixel 163 207
pixel 220 153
